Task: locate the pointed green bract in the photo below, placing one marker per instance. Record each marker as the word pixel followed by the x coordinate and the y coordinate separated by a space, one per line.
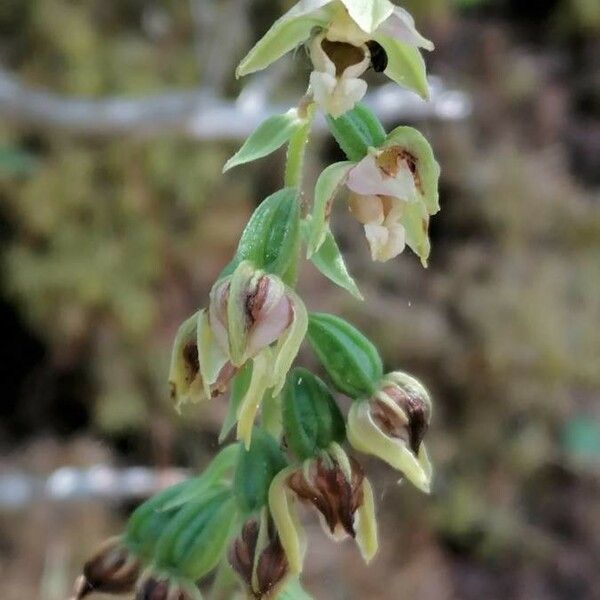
pixel 350 359
pixel 328 185
pixel 255 471
pixel 285 34
pixel 239 387
pixel 329 261
pixel 270 135
pixel 405 65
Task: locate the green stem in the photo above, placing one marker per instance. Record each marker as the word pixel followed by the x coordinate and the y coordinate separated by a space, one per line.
pixel 297 149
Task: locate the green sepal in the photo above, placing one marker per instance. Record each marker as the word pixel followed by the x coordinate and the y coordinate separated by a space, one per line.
pixel 406 66
pixel 428 170
pixel 350 359
pixel 239 387
pixel 256 468
pixel 356 131
pixel 329 261
pixel 269 136
pixel 311 418
pixel 271 239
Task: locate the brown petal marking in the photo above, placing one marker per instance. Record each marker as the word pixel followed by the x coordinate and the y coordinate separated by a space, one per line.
pixel 113 570
pixel 391 423
pixel 272 567
pixel 272 564
pixel 342 55
pixel 241 551
pixel 331 493
pixel 389 162
pixel 256 299
pixel 153 589
pixel 191 361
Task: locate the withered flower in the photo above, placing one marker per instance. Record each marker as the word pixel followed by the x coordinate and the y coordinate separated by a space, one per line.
pixel 112 570
pixel 259 559
pixel 156 587
pixel 336 487
pixel 392 424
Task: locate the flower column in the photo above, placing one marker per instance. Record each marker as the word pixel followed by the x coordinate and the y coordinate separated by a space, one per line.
pixel 239 517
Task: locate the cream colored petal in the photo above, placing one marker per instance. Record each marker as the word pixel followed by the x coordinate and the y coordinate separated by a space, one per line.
pixel 259 383
pixel 283 510
pixel 400 25
pixel 289 343
pixel 366 209
pixel 365 523
pixel 210 355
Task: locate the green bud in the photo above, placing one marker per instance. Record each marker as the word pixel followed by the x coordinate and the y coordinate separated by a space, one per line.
pixel 271 239
pixel 256 468
pixel 350 359
pixel 311 417
pixel 356 131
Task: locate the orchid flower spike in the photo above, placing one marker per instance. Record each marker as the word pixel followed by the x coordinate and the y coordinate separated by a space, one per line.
pixel 344 38
pixel 337 488
pixel 393 192
pixel 392 424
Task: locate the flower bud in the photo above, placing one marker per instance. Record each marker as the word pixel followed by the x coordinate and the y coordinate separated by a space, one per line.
pixel 311 417
pixel 391 425
pixel 258 558
pixel 112 570
pixel 350 359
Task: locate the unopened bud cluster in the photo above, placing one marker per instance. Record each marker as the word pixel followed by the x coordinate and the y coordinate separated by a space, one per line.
pixel 293 445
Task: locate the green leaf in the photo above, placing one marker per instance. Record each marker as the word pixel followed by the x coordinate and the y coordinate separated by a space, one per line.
pixel 256 468
pixel 270 135
pixel 285 34
pixel 328 185
pixel 369 14
pixel 330 262
pixel 405 65
pixel 350 359
pixel 312 420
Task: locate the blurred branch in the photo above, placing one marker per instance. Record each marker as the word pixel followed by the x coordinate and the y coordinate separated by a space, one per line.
pixel 197 113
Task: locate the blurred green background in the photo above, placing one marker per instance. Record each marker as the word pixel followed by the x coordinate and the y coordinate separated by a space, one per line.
pixel 108 241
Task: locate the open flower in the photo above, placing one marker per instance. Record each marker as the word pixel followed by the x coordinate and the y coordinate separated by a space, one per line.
pixel 337 488
pixel 394 191
pixel 258 558
pixel 344 38
pixel 392 424
pixel 112 570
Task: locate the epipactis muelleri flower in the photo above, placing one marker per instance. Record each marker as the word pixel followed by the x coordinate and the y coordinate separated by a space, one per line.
pixel 344 38
pixel 392 424
pixel 335 485
pixel 393 192
pixel 252 316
